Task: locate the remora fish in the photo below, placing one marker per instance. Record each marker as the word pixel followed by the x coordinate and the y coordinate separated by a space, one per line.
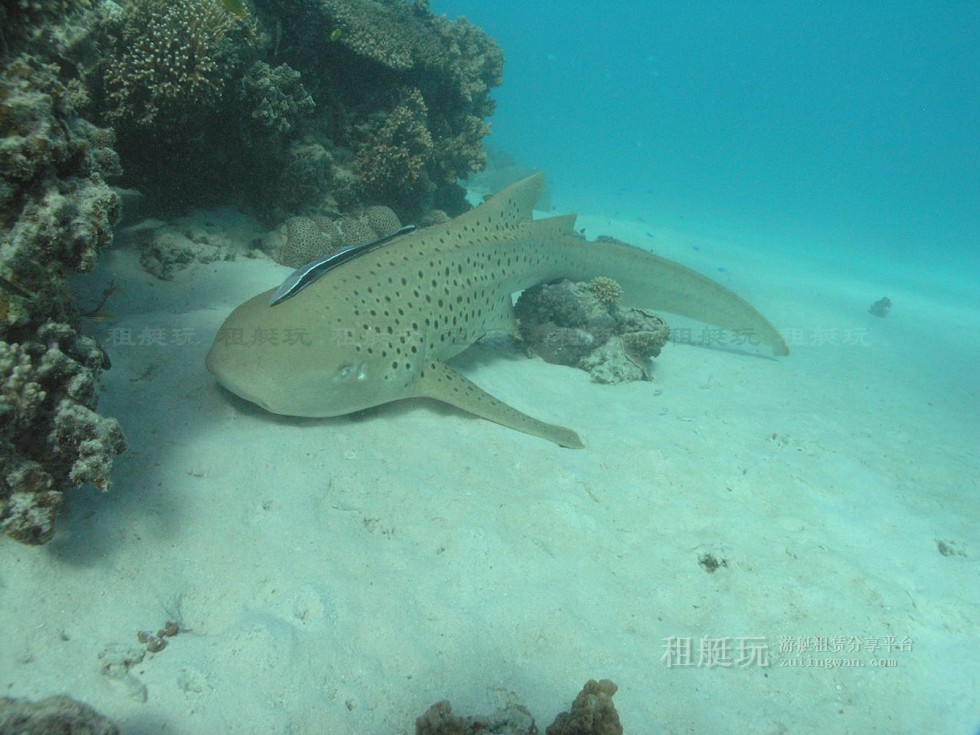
pixel 315 270
pixel 380 327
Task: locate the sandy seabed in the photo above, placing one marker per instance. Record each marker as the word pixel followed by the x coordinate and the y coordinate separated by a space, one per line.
pixel 745 545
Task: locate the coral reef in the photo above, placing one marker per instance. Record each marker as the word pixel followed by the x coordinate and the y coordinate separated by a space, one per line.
pixel 276 98
pixel 606 290
pixel 56 214
pixel 592 713
pixel 312 108
pixel 174 59
pixel 582 325
pixel 24 21
pixel 419 125
pixel 60 714
pixel 265 105
pixel 178 81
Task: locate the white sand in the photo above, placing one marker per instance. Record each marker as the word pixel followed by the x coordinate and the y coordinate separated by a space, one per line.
pixel 340 576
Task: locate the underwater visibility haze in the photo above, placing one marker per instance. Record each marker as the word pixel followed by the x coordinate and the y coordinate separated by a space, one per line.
pixel 710 270
pixel 841 127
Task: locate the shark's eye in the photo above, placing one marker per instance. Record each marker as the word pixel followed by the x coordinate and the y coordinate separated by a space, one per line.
pixel 345 371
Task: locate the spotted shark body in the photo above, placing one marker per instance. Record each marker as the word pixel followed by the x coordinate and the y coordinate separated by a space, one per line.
pixel 381 327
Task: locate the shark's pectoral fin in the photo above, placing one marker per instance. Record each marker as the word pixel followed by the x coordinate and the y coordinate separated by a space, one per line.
pixel 441 382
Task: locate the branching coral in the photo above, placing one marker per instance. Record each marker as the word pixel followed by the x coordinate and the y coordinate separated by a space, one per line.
pixel 606 290
pixel 174 57
pixel 275 96
pixel 392 163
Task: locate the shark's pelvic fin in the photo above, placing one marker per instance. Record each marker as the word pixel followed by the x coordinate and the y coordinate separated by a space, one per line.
pixel 442 383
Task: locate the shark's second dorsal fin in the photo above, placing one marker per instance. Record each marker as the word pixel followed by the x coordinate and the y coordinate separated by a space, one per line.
pixel 559 225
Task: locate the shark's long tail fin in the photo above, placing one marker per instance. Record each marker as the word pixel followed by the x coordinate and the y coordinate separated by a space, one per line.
pixel 657 283
pixel 652 282
pixel 648 280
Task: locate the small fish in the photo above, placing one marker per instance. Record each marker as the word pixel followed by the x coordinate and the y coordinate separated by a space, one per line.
pixel 235 7
pixel 335 36
pixel 313 271
pixel 15 289
pixel 96 313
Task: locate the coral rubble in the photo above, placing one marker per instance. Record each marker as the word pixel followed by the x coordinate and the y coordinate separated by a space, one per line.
pixel 592 713
pixel 60 714
pixel 440 720
pixel 582 325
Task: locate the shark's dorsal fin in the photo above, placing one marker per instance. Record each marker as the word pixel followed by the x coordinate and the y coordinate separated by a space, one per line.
pixel 502 216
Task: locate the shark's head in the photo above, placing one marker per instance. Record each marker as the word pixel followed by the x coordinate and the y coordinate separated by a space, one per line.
pixel 300 358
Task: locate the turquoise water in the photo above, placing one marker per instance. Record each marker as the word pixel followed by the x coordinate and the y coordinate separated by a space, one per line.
pixel 840 128
pixel 340 575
